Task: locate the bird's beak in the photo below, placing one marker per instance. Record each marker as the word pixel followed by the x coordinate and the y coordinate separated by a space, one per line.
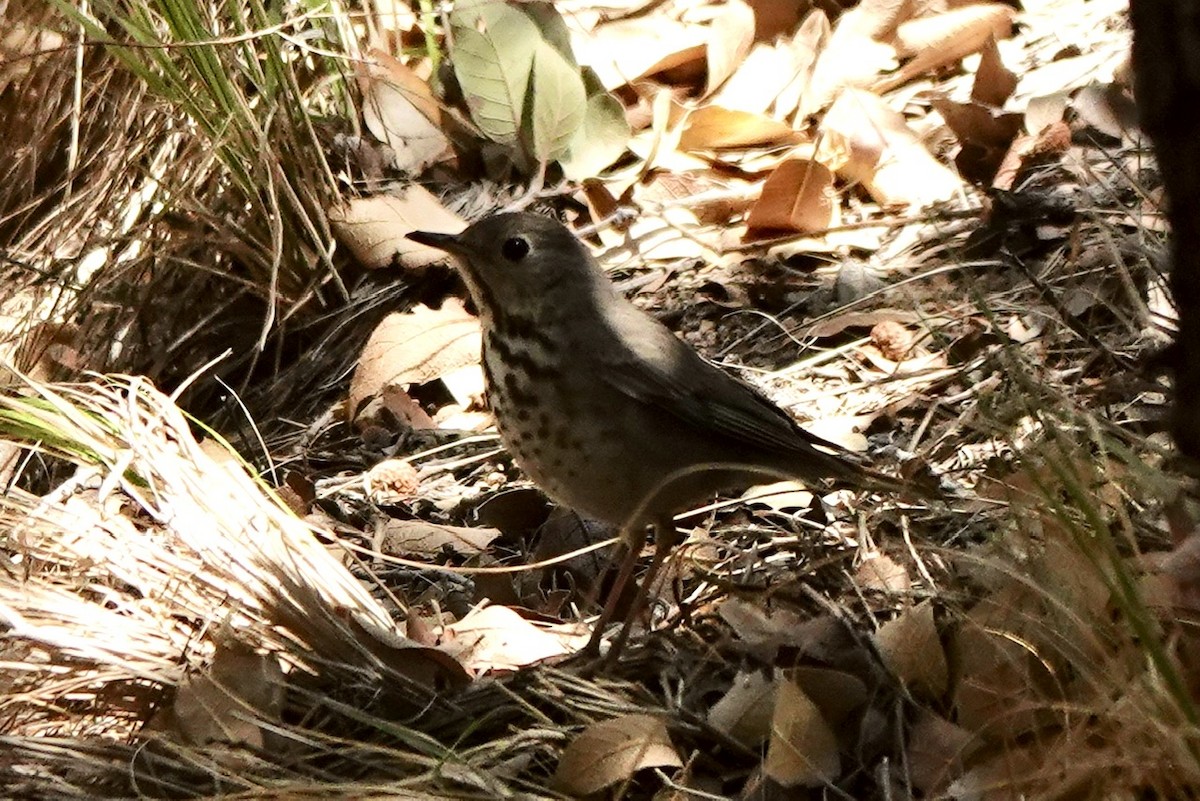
pixel 447 242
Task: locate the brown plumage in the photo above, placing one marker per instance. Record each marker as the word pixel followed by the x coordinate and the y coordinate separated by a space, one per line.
pixel 602 406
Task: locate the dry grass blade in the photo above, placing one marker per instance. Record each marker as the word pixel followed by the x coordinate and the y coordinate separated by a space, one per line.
pixel 124 580
pixel 167 163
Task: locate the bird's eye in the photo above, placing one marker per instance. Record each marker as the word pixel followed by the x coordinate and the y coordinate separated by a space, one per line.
pixel 515 248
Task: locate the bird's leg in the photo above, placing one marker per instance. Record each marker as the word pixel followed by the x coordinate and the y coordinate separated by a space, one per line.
pixel 628 563
pixel 665 538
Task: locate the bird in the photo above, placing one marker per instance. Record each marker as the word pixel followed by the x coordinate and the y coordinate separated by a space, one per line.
pixel 608 411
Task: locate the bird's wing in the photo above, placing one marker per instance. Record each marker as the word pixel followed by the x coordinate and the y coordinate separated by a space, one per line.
pixel 663 372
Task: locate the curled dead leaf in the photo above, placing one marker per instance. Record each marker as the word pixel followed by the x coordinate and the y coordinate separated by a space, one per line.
pixel 942 39
pixel 236 702
pixel 714 128
pixel 805 47
pixel 405 409
pixel 399 109
pixel 780 495
pixel 912 649
pixel 730 35
pixel 414 348
pixel 1000 679
pixel 768 72
pixel 497 638
pixel 612 751
pixel 878 571
pixel 745 711
pixel 851 57
pixel 994 82
pixel 622 51
pixel 797 196
pixel 803 750
pixel 960 30
pixel 420 537
pixel 937 750
pixel 985 135
pixel 867 141
pixel 837 694
pixel 374 228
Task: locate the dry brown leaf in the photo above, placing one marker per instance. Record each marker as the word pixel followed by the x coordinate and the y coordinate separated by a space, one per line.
pixel 414 348
pixel 878 19
pixel 713 197
pixel 760 161
pixel 730 35
pixel 374 228
pixel 453 417
pixel 943 39
pixel 760 628
pixel 611 751
pixel 912 364
pixel 1003 684
pixel 850 58
pixel 1106 108
pixel 798 196
pixel 399 109
pixel 713 128
pixel 844 429
pixel 767 72
pixel 780 495
pixel 961 30
pixel 602 204
pixel 1046 110
pixel 836 693
pixel 913 651
pixel 744 712
pixel 1077 624
pixel 42 351
pixel 666 235
pixel 658 145
pixel 402 537
pixel 1022 771
pixel 773 18
pixel 878 571
pixel 419 630
pixel 806 46
pixel 407 413
pixel 937 750
pixel 1163 594
pixel 994 82
pixel 1180 568
pixel 497 638
pixel 867 141
pixel 428 666
pixel 623 51
pixel 803 750
pixel 978 124
pixel 985 136
pixel 230 703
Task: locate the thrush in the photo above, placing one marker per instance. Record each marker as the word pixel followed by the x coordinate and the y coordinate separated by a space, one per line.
pixel 603 407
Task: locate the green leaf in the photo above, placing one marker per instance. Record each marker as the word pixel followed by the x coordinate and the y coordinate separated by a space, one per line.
pixel 493 55
pixel 558 104
pixel 602 137
pixel 554 29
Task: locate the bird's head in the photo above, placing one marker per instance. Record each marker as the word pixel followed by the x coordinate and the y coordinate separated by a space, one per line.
pixel 518 261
